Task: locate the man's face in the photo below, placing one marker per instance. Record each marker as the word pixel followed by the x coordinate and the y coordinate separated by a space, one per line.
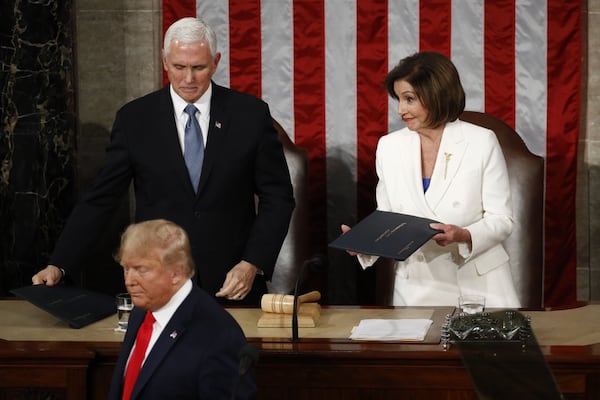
pixel 190 68
pixel 150 284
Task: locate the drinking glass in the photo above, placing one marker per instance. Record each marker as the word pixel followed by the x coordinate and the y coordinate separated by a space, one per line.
pixel 124 307
pixel 471 303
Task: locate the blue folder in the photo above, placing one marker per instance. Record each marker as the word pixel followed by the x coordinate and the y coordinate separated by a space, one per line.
pixel 76 306
pixel 387 234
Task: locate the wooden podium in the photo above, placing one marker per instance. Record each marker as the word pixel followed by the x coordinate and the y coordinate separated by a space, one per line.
pixel 41 357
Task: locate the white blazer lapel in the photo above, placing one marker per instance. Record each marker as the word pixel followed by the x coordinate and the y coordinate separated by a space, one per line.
pixel 399 171
pixel 449 158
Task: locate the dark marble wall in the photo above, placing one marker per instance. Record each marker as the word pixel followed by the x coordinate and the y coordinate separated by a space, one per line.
pixel 38 141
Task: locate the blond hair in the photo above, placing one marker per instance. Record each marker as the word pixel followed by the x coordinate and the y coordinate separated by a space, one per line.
pixel 160 239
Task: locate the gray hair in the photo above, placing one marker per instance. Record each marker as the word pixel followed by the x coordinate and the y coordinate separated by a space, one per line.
pixel 190 30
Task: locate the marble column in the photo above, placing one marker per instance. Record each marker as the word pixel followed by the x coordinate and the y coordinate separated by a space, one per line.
pixel 38 140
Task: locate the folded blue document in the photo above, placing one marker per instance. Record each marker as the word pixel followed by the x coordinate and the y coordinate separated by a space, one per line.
pixel 76 306
pixel 387 234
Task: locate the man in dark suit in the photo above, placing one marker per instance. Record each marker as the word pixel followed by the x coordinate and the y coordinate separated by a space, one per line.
pixel 235 241
pixel 191 345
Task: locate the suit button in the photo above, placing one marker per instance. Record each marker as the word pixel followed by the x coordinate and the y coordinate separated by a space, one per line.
pixel 197 214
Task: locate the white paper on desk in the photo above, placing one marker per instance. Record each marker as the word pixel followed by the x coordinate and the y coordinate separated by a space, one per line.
pixel 391 329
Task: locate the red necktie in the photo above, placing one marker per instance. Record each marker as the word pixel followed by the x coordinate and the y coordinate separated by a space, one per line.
pixel 137 357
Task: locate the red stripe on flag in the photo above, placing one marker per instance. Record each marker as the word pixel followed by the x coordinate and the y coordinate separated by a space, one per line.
pixel 434 26
pixel 172 11
pixel 245 46
pixel 371 102
pixel 564 67
pixel 309 106
pixel 499 59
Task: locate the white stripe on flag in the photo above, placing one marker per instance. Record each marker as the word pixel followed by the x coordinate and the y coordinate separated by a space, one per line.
pixel 531 72
pixel 277 31
pixel 467 50
pixel 340 110
pixel 216 14
pixel 403 40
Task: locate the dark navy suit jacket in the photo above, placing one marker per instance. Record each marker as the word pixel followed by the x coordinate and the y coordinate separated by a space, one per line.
pixel 195 357
pixel 243 158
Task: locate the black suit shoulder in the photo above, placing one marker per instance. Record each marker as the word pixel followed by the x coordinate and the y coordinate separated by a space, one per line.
pixel 207 309
pixel 147 103
pixel 231 97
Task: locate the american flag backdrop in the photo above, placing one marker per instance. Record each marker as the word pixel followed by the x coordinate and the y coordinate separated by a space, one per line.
pixel 320 65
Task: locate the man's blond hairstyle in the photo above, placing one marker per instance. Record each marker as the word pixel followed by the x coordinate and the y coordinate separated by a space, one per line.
pixel 160 239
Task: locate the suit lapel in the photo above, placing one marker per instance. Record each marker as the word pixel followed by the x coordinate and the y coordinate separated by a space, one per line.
pixel 450 154
pixel 172 153
pixel 174 330
pixel 217 132
pixel 135 321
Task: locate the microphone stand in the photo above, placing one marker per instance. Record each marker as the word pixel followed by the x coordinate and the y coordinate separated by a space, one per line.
pixel 318 262
pixel 295 337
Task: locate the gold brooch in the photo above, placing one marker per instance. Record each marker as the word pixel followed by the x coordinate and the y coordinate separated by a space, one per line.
pixel 448 156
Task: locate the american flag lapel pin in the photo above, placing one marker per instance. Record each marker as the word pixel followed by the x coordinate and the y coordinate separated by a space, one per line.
pixel 217 125
pixel 173 334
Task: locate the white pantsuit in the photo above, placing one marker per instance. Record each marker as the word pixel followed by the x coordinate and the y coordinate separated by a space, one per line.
pixel 469 188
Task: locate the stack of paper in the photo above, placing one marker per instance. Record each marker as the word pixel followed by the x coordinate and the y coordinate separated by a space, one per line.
pixel 391 329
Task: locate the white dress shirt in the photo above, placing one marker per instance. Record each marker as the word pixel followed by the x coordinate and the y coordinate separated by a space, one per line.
pixel 163 315
pixel 181 117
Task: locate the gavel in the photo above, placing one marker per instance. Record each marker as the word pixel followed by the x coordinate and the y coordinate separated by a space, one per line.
pixel 284 303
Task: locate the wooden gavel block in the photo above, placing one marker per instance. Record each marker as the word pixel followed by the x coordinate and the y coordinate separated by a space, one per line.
pixel 277 310
pixel 284 303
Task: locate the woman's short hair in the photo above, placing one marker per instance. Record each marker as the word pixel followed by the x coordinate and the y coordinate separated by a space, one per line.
pixel 160 239
pixel 436 83
pixel 190 30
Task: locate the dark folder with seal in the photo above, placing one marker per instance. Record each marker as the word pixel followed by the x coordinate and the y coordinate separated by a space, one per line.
pixel 387 234
pixel 76 306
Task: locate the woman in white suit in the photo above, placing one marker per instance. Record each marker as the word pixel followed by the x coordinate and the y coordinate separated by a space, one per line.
pixel 451 171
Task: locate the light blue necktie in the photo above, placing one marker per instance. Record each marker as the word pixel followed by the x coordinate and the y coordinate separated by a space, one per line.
pixel 194 146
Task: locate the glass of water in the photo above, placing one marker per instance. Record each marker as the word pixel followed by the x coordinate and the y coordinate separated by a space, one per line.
pixel 124 307
pixel 471 303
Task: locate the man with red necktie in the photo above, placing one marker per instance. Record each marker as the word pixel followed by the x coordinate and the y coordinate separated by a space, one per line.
pixel 180 343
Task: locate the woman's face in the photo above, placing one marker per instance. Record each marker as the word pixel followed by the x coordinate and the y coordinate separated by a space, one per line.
pixel 410 108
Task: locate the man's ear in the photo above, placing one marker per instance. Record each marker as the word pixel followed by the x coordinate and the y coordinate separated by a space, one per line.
pixel 164 60
pixel 178 274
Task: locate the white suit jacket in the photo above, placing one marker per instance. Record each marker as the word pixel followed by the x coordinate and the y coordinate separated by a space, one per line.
pixel 469 188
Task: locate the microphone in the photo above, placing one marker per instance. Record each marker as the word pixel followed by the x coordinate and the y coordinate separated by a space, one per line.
pixel 317 263
pixel 248 357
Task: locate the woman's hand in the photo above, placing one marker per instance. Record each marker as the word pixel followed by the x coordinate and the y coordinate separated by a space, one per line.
pixel 450 234
pixel 346 228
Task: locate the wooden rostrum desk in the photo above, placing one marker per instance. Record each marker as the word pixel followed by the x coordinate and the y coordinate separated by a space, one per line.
pixel 41 358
